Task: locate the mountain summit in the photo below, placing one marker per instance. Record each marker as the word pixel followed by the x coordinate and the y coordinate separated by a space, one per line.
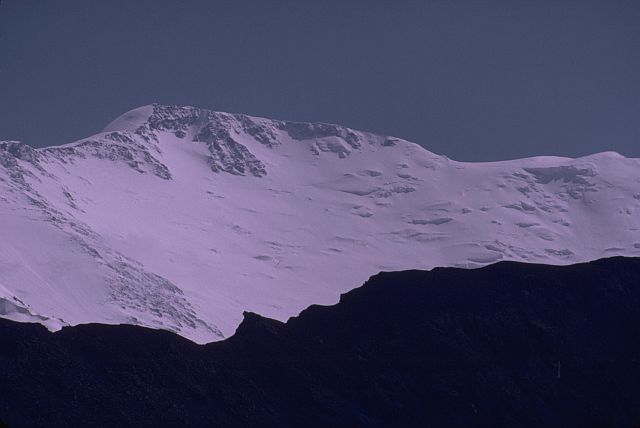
pixel 183 218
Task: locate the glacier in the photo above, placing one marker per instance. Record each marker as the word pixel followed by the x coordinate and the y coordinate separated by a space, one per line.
pixel 182 218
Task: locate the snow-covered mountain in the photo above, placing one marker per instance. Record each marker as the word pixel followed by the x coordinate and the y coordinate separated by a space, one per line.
pixel 182 218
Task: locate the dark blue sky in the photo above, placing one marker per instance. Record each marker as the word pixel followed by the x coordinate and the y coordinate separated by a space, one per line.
pixel 475 80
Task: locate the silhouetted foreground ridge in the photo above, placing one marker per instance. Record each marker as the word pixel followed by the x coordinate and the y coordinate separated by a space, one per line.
pixel 506 345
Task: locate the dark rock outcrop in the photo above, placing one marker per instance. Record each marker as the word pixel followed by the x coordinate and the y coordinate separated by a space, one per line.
pixel 506 345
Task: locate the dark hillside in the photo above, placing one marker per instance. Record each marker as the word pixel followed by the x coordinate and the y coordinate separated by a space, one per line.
pixel 507 345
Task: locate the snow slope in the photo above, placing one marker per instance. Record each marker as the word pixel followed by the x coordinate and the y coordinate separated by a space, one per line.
pixel 182 218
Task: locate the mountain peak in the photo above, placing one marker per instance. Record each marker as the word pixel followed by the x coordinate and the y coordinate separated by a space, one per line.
pixel 201 124
pixel 182 218
pixel 131 120
pixel 234 139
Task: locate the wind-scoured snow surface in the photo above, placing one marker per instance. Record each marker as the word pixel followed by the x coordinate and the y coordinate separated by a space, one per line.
pixel 182 218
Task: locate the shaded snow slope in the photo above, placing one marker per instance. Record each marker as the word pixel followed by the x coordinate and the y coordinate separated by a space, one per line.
pixel 182 218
